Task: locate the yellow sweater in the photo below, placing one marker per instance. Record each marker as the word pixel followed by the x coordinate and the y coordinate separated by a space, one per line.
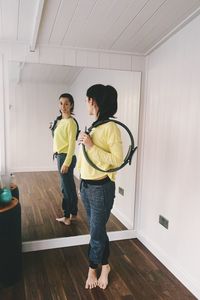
pixel 106 153
pixel 64 140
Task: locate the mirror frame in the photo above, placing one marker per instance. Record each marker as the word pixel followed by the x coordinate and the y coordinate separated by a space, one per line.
pixel 45 244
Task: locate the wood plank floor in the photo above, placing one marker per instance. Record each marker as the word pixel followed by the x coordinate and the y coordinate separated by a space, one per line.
pixel 60 274
pixel 40 199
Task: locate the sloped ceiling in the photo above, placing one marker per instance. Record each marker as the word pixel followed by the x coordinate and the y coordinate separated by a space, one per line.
pixel 124 26
pixel 129 26
pixel 51 73
pixel 42 73
pixel 133 26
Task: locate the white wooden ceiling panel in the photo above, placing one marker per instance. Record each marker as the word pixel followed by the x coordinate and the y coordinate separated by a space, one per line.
pixel 9 17
pixel 162 23
pixel 71 74
pixel 111 20
pixel 143 16
pixel 127 15
pixel 27 10
pixel 51 8
pixel 63 19
pixel 107 21
pixel 52 76
pixel 56 74
pixel 94 25
pixel 29 74
pixel 74 32
pixel 44 73
pixel 134 26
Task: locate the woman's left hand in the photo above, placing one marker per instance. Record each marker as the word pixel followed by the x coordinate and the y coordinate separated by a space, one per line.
pixel 64 169
pixel 85 139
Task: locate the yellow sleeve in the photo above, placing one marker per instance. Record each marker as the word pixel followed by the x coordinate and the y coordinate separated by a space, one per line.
pixel 114 156
pixel 78 165
pixel 71 133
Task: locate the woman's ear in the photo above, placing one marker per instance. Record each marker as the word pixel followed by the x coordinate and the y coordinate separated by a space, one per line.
pixel 91 101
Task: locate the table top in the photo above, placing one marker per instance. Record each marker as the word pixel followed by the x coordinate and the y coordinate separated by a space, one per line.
pixel 9 206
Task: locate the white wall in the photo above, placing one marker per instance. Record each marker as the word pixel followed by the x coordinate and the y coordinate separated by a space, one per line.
pixel 73 57
pixel 128 87
pixel 33 106
pixel 170 164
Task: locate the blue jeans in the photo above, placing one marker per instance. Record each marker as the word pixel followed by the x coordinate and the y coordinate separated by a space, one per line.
pixel 68 187
pixel 98 201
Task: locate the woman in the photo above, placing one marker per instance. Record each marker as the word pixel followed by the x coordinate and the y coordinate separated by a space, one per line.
pixel 64 142
pixel 104 148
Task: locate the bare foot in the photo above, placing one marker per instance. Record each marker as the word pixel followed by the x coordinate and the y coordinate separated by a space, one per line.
pixel 91 281
pixel 103 279
pixel 64 220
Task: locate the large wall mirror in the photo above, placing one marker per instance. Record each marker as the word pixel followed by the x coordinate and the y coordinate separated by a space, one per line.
pixel 34 90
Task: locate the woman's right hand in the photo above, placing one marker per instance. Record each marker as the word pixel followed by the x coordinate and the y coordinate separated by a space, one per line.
pixel 64 169
pixel 85 139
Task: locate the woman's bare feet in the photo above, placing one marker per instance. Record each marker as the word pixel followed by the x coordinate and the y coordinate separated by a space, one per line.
pixel 64 220
pixel 91 281
pixel 103 279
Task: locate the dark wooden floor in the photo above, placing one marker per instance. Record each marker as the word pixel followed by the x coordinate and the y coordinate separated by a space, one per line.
pixel 60 274
pixel 40 199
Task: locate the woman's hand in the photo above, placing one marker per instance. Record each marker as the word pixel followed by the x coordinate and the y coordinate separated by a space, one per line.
pixel 85 139
pixel 64 169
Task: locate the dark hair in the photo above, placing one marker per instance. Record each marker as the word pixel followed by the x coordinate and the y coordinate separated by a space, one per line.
pixel 71 100
pixel 106 99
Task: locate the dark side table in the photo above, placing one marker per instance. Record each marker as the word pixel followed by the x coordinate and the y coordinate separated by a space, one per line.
pixel 10 243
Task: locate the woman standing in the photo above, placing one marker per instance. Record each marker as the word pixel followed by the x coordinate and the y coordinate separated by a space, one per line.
pixel 104 148
pixel 64 142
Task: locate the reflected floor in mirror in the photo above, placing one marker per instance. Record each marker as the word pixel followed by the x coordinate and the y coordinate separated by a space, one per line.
pixel 40 198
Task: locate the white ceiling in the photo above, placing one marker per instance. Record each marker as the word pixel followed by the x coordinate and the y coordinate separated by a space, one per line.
pixel 133 26
pixel 51 73
pixel 124 26
pixel 40 73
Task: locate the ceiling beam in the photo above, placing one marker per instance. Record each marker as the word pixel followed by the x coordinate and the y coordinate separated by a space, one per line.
pixel 38 17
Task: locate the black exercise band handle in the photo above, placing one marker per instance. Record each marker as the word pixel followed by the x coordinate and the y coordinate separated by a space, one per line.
pixel 129 155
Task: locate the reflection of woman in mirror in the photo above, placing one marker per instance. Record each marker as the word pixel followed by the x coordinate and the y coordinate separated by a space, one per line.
pixel 104 147
pixel 64 141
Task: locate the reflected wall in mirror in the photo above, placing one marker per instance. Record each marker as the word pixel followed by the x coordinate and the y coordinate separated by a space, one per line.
pixel 34 90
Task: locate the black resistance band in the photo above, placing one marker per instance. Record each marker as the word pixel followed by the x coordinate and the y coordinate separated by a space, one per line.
pixel 129 155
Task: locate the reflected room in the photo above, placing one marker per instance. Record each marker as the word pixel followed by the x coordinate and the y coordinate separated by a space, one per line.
pixel 34 91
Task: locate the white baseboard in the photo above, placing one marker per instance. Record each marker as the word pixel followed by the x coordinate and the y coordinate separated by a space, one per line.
pixel 190 283
pixel 73 241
